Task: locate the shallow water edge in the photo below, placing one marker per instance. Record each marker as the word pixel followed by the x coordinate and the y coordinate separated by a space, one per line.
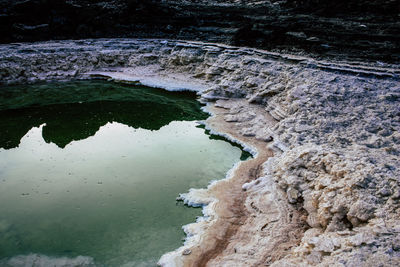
pixel 327 113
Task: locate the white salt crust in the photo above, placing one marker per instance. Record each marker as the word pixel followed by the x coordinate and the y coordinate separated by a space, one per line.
pixel 336 141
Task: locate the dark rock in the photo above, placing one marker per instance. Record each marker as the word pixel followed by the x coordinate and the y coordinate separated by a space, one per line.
pixel 351 29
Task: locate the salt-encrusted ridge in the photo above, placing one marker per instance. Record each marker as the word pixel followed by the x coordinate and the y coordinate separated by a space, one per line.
pixel 335 134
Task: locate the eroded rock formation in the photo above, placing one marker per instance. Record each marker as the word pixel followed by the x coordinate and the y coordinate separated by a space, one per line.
pixel 330 195
pixel 353 29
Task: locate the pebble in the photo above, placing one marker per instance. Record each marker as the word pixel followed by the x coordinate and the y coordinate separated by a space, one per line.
pixel 186 252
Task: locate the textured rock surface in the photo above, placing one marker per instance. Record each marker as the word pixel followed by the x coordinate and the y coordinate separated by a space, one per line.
pixel 329 196
pixel 368 29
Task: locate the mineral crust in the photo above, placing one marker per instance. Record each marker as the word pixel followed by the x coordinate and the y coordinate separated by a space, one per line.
pixel 324 186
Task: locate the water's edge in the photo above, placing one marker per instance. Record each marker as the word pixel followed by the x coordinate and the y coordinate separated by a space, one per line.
pixel 331 125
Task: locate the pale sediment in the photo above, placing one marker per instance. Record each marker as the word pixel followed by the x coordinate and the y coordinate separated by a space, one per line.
pixel 330 195
pixel 225 212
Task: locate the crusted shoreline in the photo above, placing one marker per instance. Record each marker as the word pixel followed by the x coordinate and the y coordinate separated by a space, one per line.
pixel 223 201
pixel 329 195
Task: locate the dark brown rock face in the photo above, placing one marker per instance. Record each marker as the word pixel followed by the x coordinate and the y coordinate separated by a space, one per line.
pixel 351 29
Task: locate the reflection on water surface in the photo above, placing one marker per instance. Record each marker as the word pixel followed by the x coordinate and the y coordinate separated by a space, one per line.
pixel 93 170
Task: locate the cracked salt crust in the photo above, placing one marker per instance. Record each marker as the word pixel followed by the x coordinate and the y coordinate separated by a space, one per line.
pixel 329 195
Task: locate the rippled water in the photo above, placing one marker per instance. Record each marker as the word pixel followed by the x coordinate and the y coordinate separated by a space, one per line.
pixel 89 174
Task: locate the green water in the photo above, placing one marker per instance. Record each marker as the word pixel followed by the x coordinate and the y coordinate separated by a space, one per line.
pixel 93 169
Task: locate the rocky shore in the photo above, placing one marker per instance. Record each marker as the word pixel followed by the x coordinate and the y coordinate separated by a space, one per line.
pixel 324 185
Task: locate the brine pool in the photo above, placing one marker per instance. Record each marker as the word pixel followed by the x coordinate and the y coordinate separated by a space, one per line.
pixel 90 172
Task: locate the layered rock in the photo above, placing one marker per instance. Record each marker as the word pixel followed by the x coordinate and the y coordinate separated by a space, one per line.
pixel 329 195
pixel 350 29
